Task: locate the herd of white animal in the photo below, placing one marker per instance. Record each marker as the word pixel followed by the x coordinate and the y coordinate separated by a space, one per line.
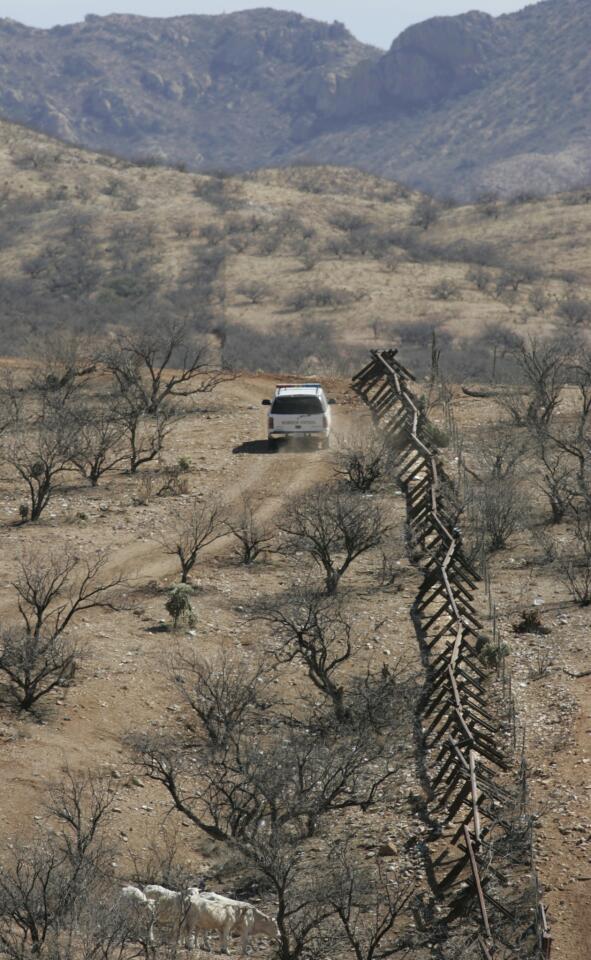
pixel 193 912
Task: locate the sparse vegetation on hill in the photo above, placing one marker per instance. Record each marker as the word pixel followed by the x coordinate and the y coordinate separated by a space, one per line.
pixel 468 106
pixel 273 274
pixel 266 705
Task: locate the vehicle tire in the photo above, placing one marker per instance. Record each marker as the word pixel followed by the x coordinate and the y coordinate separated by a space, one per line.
pixel 272 445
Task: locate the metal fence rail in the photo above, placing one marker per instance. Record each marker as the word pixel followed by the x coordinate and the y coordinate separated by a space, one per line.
pixel 461 734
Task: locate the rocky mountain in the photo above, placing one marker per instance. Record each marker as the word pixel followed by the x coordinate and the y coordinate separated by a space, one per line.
pixel 200 90
pixel 456 105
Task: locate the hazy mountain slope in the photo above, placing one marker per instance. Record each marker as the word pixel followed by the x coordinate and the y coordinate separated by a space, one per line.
pixel 297 268
pixel 457 105
pixel 473 102
pixel 202 90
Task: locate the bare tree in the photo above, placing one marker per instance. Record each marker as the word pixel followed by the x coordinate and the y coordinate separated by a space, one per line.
pixel 11 402
pixel 570 437
pixel 363 459
pixel 253 537
pixel 37 892
pixel 333 528
pixel 58 897
pixel 502 449
pixel 98 447
pixel 65 359
pixel 36 665
pixel 557 479
pixel 145 433
pixel 53 588
pixel 498 509
pixel 425 213
pixel 575 564
pixel 302 906
pixel 255 291
pixel 199 526
pixel 82 804
pixel 366 905
pixel 40 453
pixel 543 367
pixel 224 694
pixel 315 630
pixel 162 362
pixel 257 780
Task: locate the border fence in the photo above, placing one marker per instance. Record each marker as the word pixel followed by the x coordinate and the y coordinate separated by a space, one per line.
pixel 468 759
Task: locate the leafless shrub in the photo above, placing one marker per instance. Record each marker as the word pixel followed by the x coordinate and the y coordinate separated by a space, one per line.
pixel 308 260
pixel 40 453
pixel 321 296
pixel 255 291
pixel 557 480
pixel 348 221
pixel 574 564
pixel 539 299
pixel 224 194
pixel 65 361
pixel 160 363
pixel 145 433
pixel 390 263
pixel 280 776
pixel 252 535
pixel 315 630
pixel 425 213
pixel 334 529
pixel 363 459
pixel 480 277
pixel 511 278
pixel 56 892
pixel 574 309
pixel 175 484
pixel 582 196
pixel 502 449
pixel 488 204
pixel 498 509
pixel 224 694
pixel 184 229
pixel 445 289
pixel 543 367
pixel 300 894
pixel 366 905
pixel 82 803
pixel 55 587
pixel 199 525
pixel 98 441
pixel 213 233
pixel 34 665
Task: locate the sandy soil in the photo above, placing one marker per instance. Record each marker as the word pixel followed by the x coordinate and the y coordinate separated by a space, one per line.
pixel 123 684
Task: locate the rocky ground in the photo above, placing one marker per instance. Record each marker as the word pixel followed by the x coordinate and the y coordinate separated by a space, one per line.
pixel 124 685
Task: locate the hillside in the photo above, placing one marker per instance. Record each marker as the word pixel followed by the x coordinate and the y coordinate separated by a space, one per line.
pixel 289 269
pixel 457 105
pixel 206 91
pixel 284 271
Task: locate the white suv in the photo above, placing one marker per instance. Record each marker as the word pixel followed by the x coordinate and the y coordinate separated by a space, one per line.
pixel 299 410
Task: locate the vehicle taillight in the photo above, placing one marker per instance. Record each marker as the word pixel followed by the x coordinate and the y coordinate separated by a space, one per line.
pixel 324 420
pixel 270 423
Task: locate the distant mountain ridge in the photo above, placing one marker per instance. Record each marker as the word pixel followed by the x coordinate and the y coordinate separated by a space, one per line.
pixel 457 105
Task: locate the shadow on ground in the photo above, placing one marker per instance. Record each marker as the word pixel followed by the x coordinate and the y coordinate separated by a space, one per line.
pixel 253 446
pixel 261 446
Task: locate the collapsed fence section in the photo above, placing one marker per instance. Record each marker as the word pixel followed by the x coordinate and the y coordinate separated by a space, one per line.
pixel 465 745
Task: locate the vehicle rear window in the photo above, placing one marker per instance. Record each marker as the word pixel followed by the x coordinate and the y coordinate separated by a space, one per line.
pixel 296 405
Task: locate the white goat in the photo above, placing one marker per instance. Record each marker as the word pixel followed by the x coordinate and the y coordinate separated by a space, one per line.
pixel 259 922
pixel 138 906
pixel 168 904
pixel 210 911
